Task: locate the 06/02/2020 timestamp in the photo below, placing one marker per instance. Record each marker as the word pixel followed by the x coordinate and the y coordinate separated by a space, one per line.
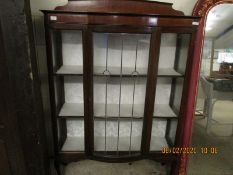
pixel 189 150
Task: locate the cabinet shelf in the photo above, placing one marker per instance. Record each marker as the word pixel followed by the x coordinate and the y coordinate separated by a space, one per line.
pixel 168 72
pixel 158 143
pixel 76 110
pixel 115 71
pixel 73 144
pixel 77 144
pixel 70 70
pixel 164 111
pixel 72 110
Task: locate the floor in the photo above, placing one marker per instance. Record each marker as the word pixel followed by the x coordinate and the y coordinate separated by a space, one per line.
pixel 220 137
pixel 89 167
pixel 199 164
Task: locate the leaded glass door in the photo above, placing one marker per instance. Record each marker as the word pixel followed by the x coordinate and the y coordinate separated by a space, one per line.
pixel 120 66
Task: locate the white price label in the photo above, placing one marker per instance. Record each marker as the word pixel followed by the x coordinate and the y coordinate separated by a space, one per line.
pixel 53 18
pixel 195 23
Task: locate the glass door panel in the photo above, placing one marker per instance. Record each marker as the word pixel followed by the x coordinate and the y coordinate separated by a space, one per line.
pixel 120 77
pixel 171 73
pixel 67 58
pixel 67 51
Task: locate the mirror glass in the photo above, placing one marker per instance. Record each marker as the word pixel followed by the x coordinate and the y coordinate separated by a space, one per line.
pixel 218 45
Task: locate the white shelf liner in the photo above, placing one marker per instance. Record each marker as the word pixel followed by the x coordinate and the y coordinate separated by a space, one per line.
pixel 73 87
pixel 167 50
pixel 77 109
pixel 157 143
pixel 70 69
pixel 158 127
pixel 173 128
pixel 163 110
pixel 72 47
pixel 124 128
pixel 168 72
pixel 114 90
pixel 72 109
pixel 73 144
pixel 163 91
pixel 115 43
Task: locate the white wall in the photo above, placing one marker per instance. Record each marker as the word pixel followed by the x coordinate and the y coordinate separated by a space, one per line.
pixel 183 5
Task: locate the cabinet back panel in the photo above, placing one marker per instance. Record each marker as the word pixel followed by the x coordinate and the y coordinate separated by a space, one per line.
pixel 109 45
pixel 167 50
pixel 172 132
pixel 178 94
pixel 73 89
pixel 107 138
pixel 183 55
pixel 163 91
pixel 72 50
pixel 113 90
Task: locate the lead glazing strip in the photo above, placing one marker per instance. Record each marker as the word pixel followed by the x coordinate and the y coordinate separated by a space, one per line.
pixel 106 66
pixel 106 97
pixel 136 59
pixel 135 75
pixel 119 110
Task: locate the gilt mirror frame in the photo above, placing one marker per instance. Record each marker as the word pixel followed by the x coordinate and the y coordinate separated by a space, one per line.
pixel 201 9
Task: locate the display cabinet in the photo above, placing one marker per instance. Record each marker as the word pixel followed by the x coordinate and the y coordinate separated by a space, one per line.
pixel 118 74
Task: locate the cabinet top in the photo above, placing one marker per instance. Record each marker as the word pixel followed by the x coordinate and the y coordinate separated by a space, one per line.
pixel 119 7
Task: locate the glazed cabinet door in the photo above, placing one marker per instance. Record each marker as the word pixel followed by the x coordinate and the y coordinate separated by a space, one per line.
pixel 67 94
pixel 170 97
pixel 120 73
pixel 118 93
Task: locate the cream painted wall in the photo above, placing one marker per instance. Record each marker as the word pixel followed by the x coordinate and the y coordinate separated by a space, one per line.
pixel 183 5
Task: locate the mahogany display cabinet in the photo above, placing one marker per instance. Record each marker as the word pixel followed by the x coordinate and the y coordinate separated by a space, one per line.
pixel 118 72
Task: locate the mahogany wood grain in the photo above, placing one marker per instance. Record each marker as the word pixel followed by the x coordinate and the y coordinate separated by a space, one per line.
pixel 71 19
pixel 88 90
pixel 48 36
pixel 150 90
pixel 183 109
pixel 120 6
